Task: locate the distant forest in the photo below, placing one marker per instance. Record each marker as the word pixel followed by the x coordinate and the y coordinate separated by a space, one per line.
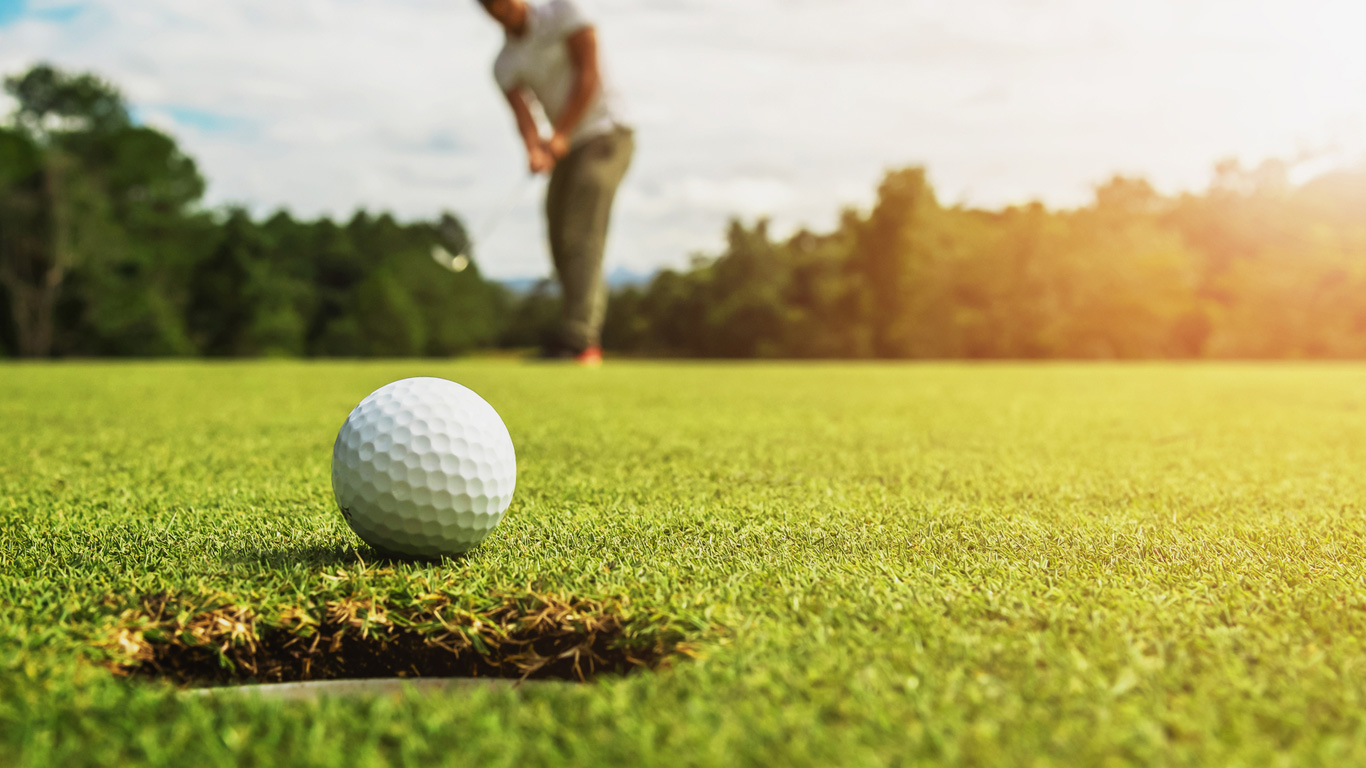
pixel 106 250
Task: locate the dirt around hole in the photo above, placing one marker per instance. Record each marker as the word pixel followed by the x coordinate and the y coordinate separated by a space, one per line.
pixel 198 642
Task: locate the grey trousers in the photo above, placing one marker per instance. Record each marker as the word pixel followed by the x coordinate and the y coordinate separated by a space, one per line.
pixel 578 208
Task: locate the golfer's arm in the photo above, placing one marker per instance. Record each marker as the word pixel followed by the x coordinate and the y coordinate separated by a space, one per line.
pixel 526 124
pixel 583 54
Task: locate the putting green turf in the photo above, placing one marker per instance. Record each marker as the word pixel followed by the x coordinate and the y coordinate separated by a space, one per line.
pixel 941 564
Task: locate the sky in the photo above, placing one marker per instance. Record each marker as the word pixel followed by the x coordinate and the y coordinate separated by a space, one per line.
pixel 790 109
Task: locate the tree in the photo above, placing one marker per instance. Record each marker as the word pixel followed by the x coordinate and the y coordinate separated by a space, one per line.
pixel 891 261
pixel 90 205
pixel 32 266
pixel 1254 267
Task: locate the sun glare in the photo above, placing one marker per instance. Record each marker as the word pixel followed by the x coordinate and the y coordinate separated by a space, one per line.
pixel 1331 61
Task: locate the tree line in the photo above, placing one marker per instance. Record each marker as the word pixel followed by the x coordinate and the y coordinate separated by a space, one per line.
pixel 1253 267
pixel 106 250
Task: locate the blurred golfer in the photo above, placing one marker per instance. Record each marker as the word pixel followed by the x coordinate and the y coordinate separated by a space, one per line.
pixel 550 57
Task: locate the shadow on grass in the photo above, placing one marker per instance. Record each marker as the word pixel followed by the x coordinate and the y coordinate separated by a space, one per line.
pixel 314 556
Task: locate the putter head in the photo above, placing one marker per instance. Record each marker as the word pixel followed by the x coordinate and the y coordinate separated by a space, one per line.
pixel 454 262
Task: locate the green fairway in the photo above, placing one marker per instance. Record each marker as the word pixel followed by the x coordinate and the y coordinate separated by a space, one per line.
pixel 933 564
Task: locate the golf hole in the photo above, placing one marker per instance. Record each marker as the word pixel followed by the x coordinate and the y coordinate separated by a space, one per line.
pixel 528 638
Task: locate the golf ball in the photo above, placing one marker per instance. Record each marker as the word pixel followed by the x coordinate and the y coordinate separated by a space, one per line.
pixel 423 468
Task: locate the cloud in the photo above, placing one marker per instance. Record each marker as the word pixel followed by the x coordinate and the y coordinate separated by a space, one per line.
pixel 788 108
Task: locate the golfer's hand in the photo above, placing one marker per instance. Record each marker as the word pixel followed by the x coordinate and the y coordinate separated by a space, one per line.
pixel 539 159
pixel 558 146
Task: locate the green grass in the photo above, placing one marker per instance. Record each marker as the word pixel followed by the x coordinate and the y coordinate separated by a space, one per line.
pixel 938 564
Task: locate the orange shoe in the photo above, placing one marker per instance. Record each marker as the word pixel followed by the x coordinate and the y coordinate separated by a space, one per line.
pixel 589 358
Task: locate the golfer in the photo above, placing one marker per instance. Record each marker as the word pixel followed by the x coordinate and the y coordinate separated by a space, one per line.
pixel 550 57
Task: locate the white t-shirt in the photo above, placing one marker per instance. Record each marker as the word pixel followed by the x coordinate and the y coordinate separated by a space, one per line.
pixel 539 62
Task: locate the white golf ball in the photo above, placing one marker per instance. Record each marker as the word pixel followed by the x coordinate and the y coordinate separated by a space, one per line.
pixel 423 468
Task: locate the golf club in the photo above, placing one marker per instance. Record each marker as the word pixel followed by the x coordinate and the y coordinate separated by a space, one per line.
pixel 460 261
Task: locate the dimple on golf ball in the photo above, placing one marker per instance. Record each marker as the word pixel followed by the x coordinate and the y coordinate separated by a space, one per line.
pixel 423 468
